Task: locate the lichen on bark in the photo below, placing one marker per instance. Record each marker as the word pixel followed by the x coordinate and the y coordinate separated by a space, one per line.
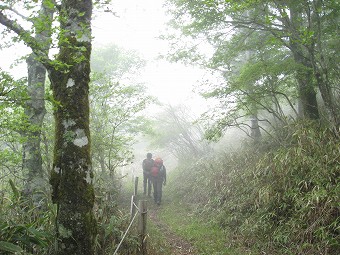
pixel 72 181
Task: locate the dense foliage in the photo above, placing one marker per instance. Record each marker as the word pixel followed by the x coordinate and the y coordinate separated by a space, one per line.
pixel 280 199
pixel 23 228
pixel 274 68
pixel 269 55
pixel 117 101
pixel 12 121
pixel 272 64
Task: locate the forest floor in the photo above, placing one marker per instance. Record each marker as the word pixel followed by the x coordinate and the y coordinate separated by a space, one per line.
pixel 176 244
pixel 175 229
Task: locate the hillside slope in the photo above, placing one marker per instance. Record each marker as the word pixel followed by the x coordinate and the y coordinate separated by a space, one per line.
pixel 277 197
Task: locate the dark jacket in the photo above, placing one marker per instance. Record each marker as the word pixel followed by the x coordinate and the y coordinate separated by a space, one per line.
pixel 147 165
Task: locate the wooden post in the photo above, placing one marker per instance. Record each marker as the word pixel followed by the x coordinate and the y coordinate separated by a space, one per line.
pixel 133 206
pixel 142 226
pixel 136 186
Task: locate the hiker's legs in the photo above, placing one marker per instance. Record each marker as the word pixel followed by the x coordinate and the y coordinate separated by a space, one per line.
pixel 159 191
pixel 154 183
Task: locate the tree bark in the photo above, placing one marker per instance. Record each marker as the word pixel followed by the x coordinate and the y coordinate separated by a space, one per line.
pixel 304 76
pixel 35 112
pixel 306 88
pixel 321 67
pixel 255 131
pixel 72 175
pixel 35 109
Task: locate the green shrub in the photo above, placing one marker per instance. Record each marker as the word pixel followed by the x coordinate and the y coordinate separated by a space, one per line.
pixel 280 195
pixel 112 221
pixel 24 228
pixel 301 204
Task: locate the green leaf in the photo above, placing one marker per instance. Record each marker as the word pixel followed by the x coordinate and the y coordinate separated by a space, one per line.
pixel 6 246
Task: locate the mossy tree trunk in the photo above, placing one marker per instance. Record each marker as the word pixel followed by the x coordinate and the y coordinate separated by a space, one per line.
pixel 71 177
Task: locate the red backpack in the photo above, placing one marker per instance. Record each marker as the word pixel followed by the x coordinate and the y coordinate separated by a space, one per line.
pixel 156 167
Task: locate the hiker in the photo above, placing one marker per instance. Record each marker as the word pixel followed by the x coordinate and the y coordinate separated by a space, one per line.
pixel 158 173
pixel 147 165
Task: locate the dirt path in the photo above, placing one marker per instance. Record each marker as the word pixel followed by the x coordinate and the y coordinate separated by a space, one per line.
pixel 178 245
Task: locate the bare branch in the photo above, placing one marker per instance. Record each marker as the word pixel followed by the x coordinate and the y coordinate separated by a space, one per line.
pixel 4 7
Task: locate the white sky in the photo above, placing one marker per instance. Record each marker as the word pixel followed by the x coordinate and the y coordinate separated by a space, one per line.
pixel 137 27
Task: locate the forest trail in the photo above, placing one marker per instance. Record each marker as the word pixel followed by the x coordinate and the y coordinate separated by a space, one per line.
pixel 179 246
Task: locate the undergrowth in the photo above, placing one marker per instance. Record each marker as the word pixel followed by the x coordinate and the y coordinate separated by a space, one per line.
pixel 24 227
pixel 277 197
pixel 204 235
pixel 280 197
pixel 113 217
pixel 27 229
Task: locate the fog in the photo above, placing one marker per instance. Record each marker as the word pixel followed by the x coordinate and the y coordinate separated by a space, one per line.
pixel 137 25
pixel 134 25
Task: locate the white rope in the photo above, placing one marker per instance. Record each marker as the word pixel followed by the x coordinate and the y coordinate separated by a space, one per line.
pixel 121 241
pixel 136 207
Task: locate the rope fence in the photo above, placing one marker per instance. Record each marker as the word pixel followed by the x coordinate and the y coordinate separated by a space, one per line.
pixel 127 230
pixel 135 210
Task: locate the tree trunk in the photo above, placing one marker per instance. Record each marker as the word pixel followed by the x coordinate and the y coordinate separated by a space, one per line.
pixel 72 175
pixel 332 106
pixel 35 112
pixel 255 131
pixel 306 89
pixel 304 76
pixel 35 109
pixel 321 67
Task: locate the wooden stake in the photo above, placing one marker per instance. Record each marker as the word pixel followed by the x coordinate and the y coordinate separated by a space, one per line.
pixel 133 206
pixel 136 186
pixel 142 226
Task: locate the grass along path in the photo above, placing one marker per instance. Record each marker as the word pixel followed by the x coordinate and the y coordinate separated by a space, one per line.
pixel 176 244
pixel 174 229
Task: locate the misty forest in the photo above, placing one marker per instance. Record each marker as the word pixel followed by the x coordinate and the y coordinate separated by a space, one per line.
pixel 252 169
